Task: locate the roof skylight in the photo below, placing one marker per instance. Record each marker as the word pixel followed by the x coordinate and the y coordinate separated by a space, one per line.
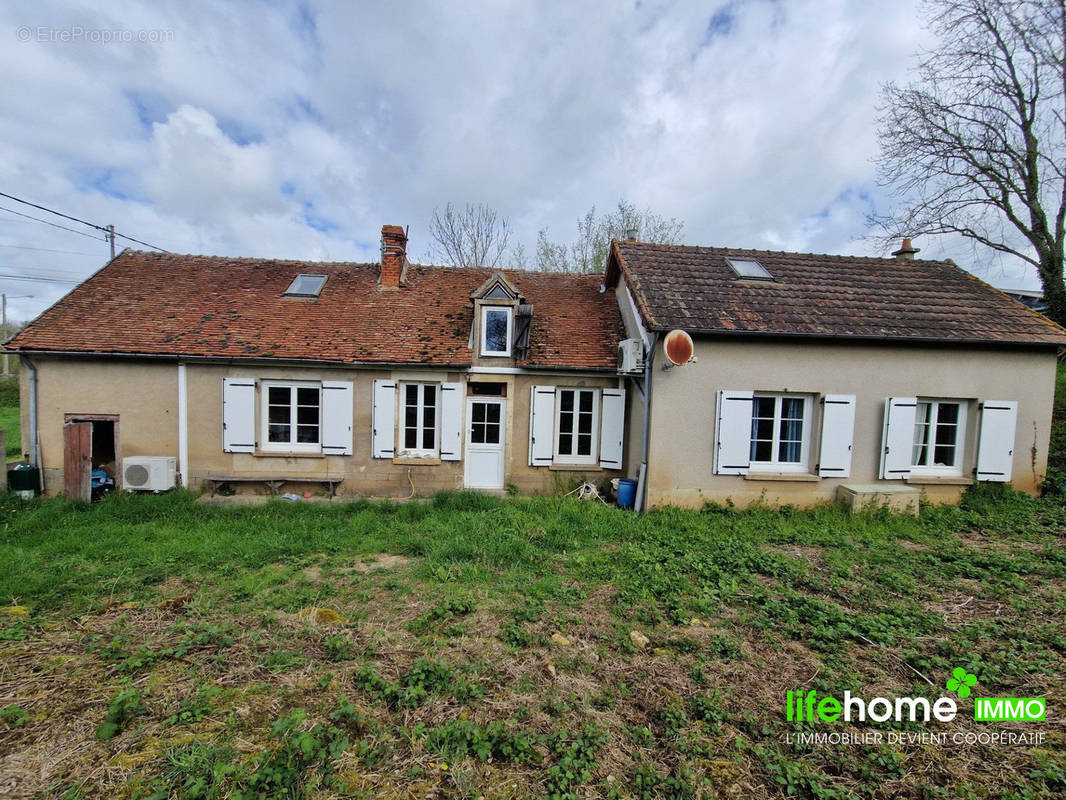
pixel 306 286
pixel 749 268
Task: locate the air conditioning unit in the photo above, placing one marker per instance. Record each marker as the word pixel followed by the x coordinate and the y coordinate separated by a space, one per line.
pixel 630 356
pixel 149 473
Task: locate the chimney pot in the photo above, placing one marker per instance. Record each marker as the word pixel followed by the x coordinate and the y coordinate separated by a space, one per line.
pixel 631 234
pixel 906 252
pixel 393 256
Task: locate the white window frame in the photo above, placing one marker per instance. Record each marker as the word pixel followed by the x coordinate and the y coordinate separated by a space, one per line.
pixel 593 455
pixel 401 429
pixel 960 437
pixel 509 311
pixel 291 446
pixel 775 465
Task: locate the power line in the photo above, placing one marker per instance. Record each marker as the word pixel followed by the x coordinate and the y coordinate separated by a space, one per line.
pixel 108 230
pixel 38 280
pixel 53 224
pixel 51 211
pixel 48 250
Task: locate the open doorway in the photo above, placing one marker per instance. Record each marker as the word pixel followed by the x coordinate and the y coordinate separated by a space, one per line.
pixel 90 458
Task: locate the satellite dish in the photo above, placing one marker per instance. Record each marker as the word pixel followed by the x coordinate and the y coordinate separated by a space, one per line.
pixel 678 347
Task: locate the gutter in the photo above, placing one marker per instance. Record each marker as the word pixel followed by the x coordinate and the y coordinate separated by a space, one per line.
pixel 296 362
pixel 858 338
pixel 35 455
pixel 642 476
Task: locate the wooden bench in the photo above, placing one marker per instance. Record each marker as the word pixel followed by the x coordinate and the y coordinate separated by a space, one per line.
pixel 274 482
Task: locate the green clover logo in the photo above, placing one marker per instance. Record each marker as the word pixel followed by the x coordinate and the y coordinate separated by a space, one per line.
pixel 960 682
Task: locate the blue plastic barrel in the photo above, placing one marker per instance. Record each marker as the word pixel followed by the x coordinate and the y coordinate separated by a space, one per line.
pixel 627 492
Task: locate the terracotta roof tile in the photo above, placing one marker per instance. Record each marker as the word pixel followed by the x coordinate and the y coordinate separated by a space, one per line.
pixel 207 306
pixel 821 295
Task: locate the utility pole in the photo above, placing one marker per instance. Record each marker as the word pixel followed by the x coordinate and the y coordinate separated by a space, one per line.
pixel 111 239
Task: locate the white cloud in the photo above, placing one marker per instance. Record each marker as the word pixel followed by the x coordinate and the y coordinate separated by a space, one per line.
pixel 297 130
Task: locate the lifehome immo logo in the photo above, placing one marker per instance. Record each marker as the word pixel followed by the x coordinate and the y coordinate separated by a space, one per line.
pixel 809 707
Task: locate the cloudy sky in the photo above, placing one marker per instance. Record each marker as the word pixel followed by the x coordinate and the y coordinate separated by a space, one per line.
pixel 296 129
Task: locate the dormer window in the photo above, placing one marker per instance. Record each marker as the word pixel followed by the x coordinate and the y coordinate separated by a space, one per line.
pixel 497 323
pixel 306 286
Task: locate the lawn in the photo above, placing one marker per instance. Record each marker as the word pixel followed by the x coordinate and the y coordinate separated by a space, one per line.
pixel 9 416
pixel 468 646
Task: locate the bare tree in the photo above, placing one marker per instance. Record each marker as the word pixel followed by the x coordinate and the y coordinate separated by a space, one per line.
pixel 475 236
pixel 977 144
pixel 588 251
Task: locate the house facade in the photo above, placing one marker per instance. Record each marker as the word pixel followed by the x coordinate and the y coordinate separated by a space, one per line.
pixel 818 377
pixel 385 379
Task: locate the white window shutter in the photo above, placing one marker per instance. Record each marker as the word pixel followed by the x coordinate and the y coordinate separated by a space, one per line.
pixel 612 428
pixel 897 440
pixel 384 419
pixel 337 411
pixel 451 421
pixel 541 426
pixel 838 431
pixel 238 415
pixel 732 451
pixel 995 449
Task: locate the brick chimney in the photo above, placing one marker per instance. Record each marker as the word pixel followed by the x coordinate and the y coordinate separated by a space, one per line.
pixel 393 256
pixel 907 251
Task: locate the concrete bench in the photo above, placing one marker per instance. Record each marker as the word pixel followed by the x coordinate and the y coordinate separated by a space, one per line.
pixel 274 482
pixel 901 499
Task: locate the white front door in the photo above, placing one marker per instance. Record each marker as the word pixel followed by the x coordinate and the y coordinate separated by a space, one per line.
pixel 485 442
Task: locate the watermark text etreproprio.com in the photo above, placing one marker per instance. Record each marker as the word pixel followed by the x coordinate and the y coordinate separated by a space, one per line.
pixel 79 33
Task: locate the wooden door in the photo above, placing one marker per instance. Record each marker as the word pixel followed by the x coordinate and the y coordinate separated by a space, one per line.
pixel 77 460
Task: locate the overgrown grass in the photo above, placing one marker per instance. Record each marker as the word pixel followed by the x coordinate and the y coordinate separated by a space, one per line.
pixel 174 617
pixel 470 646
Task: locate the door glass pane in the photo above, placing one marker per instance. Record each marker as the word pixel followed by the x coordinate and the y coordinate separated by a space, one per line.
pixel 494 412
pixel 492 433
pixel 477 433
pixel 478 412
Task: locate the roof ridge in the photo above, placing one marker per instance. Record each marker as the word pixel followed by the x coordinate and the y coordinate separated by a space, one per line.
pixel 723 248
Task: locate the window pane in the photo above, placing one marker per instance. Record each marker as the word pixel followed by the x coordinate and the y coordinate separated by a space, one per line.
pixel 920 453
pixel 586 402
pixel 307 434
pixel 306 396
pixel 307 415
pixel 565 444
pixel 429 395
pixel 410 417
pixel 278 395
pixel 411 393
pixel 566 422
pixel 410 438
pixel 278 415
pixel 789 452
pixel 584 444
pixel 584 423
pixel 278 433
pixel 429 439
pixel 496 330
pixel 762 450
pixel 429 417
pixel 947 413
pixel 566 400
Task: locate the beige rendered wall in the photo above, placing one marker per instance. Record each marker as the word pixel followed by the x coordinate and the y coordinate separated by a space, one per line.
pixel 683 410
pixel 363 474
pixel 145 397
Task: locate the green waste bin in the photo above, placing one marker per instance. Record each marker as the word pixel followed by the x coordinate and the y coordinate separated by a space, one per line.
pixel 23 479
